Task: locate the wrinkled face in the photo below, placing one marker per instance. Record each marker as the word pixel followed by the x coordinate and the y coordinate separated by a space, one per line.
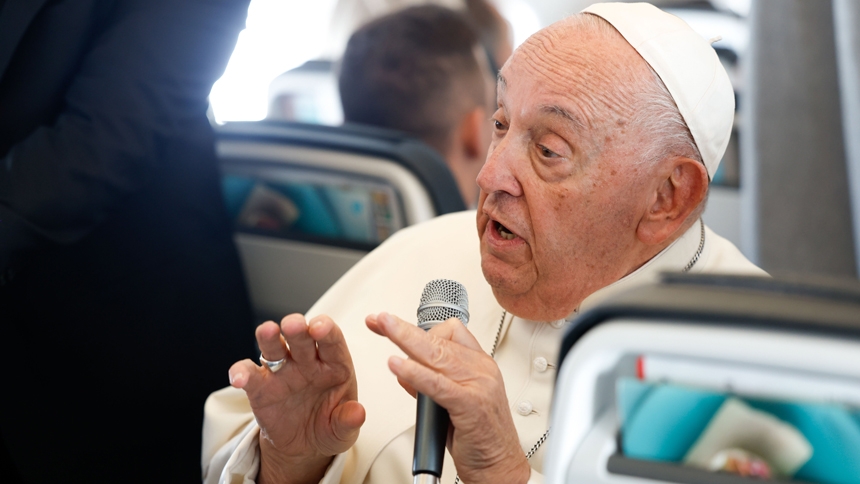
pixel 561 193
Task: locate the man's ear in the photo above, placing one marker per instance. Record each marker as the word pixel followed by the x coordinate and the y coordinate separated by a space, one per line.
pixel 473 135
pixel 468 151
pixel 681 190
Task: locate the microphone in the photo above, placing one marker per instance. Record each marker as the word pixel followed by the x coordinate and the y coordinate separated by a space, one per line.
pixel 442 299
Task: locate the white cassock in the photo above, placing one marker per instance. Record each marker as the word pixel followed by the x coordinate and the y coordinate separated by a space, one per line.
pixel 391 279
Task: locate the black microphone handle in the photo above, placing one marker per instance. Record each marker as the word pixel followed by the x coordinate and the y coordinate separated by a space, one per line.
pixel 431 434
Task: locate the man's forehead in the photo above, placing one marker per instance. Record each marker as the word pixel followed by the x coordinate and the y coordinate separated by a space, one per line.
pixel 549 109
pixel 573 80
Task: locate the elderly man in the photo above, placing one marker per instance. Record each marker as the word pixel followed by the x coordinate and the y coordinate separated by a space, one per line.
pixel 609 124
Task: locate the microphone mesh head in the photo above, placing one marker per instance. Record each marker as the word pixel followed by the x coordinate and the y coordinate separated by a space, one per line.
pixel 443 299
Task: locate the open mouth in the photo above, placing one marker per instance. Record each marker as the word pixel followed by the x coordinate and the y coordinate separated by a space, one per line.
pixel 504 232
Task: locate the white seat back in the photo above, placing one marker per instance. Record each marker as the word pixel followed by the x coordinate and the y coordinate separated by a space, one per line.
pixel 753 337
pixel 308 201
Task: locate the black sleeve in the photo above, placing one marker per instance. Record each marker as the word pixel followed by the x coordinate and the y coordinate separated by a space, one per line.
pixel 147 71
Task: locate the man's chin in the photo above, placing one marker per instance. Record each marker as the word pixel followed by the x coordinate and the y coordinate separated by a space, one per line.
pixel 520 305
pixel 530 308
pixel 502 277
pixel 522 299
pixel 510 288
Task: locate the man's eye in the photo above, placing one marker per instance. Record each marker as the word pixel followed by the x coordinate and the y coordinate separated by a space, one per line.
pixel 546 151
pixel 498 124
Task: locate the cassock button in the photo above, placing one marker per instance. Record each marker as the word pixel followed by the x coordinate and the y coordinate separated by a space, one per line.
pixel 524 408
pixel 557 324
pixel 540 364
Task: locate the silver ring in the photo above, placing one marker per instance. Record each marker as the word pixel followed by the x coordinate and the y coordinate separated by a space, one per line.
pixel 274 366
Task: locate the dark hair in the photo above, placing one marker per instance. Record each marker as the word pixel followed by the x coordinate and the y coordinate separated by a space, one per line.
pixel 414 70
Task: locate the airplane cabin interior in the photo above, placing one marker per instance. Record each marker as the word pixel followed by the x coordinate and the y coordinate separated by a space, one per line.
pixel 723 355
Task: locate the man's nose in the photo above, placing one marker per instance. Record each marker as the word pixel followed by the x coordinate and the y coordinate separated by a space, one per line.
pixel 499 171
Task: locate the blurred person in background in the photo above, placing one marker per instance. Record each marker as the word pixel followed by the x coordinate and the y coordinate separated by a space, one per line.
pixel 115 251
pixel 421 70
pixel 495 32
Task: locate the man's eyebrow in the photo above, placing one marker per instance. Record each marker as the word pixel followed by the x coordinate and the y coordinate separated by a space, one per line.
pixel 501 82
pixel 564 113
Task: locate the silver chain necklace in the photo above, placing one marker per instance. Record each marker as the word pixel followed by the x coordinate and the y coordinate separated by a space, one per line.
pixel 545 435
pixel 698 251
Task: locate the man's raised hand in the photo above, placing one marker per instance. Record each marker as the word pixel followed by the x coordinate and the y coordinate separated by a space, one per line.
pixel 307 410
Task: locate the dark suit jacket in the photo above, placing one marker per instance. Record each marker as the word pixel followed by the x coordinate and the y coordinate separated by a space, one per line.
pixel 122 303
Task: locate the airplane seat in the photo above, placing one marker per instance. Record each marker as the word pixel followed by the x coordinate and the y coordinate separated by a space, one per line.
pixel 711 379
pixel 308 201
